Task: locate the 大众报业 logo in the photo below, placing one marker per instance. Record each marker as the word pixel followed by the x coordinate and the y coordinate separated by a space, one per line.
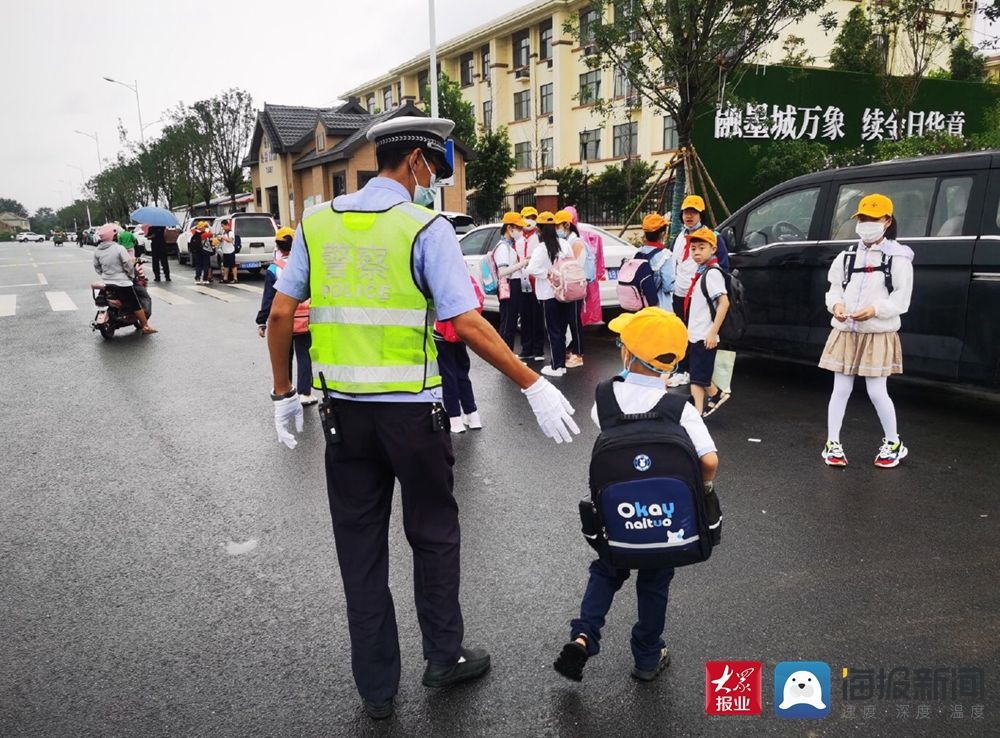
pixel 733 688
pixel 802 689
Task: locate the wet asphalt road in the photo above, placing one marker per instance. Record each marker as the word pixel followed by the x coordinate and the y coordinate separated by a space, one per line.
pixel 167 569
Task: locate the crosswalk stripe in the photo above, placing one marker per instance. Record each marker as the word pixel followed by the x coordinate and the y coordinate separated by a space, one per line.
pixel 248 288
pixel 8 305
pixel 42 279
pixel 216 293
pixel 60 301
pixel 170 298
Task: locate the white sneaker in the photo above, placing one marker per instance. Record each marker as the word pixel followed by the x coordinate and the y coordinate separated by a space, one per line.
pixel 457 426
pixel 308 399
pixel 548 371
pixel 472 420
pixel 679 379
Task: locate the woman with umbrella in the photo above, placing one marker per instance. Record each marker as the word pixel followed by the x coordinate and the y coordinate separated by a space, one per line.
pixel 158 220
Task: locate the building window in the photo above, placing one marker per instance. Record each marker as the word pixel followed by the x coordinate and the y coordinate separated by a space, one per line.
pixel 484 57
pixel 547 150
pixel 590 145
pixel 589 20
pixel 421 84
pixel 399 92
pixel 522 105
pixel 590 86
pixel 545 39
pixel 622 86
pixel 522 155
pixel 625 140
pixel 522 49
pixel 387 98
pixel 669 133
pixel 545 99
pixel 320 141
pixel 257 199
pixel 488 115
pixel 370 103
pixel 467 68
pixel 339 184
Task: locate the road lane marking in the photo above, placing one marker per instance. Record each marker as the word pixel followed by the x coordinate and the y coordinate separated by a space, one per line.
pixel 60 301
pixel 168 297
pixel 216 293
pixel 8 305
pixel 42 279
pixel 248 288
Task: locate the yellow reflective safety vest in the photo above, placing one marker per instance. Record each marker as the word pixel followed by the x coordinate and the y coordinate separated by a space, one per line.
pixel 371 325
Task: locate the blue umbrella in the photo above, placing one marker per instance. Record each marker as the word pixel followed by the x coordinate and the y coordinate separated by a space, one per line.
pixel 155 217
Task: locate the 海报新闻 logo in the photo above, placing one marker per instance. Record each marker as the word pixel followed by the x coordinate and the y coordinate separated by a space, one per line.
pixel 802 689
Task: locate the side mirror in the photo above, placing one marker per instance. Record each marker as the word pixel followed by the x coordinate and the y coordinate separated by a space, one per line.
pixel 729 233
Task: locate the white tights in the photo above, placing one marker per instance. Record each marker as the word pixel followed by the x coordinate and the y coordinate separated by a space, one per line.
pixel 878 393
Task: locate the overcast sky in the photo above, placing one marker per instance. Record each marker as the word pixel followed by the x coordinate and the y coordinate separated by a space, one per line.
pixel 55 54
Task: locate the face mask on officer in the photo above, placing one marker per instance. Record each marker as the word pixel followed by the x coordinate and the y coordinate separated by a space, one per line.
pixel 424 195
pixel 871 231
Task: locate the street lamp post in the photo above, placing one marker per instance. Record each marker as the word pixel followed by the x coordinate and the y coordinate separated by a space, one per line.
pixel 100 166
pixel 138 109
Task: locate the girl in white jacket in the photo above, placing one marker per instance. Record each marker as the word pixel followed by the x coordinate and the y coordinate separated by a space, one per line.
pixel 870 287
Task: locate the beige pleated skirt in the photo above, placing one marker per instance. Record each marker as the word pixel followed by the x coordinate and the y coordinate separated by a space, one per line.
pixel 863 354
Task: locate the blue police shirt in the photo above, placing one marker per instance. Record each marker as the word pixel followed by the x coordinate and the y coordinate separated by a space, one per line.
pixel 437 264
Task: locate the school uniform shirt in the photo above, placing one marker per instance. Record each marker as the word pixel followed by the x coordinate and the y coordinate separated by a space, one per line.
pixel 505 255
pixel 684 264
pixel 640 393
pixel 525 247
pixel 699 314
pixel 437 265
pixel 540 266
pixel 868 288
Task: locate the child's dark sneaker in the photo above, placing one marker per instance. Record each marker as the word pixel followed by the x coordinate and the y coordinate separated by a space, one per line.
pixel 891 454
pixel 833 454
pixel 571 661
pixel 647 676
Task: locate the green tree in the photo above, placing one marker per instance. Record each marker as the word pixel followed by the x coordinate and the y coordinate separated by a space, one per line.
pixel 43 220
pixel 573 185
pixel 966 63
pixel 678 54
pixel 796 52
pixel 9 205
pixel 487 174
pixel 620 189
pixel 227 121
pixel 453 106
pixel 196 154
pixel 856 49
pixel 778 161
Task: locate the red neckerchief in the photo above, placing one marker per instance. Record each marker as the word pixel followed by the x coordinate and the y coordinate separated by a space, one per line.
pixel 697 276
pixel 654 244
pixel 687 247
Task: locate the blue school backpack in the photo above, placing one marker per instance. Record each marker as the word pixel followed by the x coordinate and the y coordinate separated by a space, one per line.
pixel 589 263
pixel 647 507
pixel 488 273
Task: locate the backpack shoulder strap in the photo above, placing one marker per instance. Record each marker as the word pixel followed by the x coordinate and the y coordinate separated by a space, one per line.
pixel 850 256
pixel 670 407
pixel 887 271
pixel 609 412
pixel 704 288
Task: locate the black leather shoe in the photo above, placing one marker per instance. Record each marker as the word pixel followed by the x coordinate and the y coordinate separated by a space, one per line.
pixel 377 710
pixel 472 664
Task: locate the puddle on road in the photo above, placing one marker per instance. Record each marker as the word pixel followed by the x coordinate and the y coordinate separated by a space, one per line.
pixel 235 549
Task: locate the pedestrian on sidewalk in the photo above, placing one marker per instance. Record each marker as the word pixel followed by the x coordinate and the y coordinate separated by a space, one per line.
pixel 510 272
pixel 375 264
pixel 453 360
pixel 566 230
pixel 532 318
pixel 651 341
pixel 557 314
pixel 301 340
pixel 227 247
pixel 870 287
pixel 158 252
pixel 704 321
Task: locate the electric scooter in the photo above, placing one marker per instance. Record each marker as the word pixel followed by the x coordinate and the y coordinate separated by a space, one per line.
pixel 110 316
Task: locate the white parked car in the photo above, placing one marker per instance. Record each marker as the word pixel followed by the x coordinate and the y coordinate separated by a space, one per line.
pixel 29 236
pixel 479 240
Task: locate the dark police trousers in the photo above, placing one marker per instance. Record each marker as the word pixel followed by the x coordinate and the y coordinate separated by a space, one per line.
pixel 382 442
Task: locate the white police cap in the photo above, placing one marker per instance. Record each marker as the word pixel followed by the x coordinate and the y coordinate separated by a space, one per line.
pixel 416 131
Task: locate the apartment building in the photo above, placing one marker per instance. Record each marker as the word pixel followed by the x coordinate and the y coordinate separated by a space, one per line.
pixel 523 71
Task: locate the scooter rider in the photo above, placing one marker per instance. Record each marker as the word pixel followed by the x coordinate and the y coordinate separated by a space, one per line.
pixel 114 265
pixel 377 265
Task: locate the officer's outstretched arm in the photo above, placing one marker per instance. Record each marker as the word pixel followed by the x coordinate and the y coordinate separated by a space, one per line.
pixel 279 340
pixel 552 411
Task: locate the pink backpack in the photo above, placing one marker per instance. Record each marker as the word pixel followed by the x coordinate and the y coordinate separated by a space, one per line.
pixel 634 278
pixel 568 279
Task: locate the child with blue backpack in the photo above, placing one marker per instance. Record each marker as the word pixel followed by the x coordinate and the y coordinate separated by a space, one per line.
pixel 652 342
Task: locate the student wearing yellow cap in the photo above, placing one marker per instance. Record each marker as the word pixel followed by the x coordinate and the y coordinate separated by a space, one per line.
pixel 870 287
pixel 532 317
pixel 566 230
pixel 510 271
pixel 652 342
pixel 654 228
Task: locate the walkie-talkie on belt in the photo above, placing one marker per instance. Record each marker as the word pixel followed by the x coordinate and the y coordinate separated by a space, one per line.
pixel 328 415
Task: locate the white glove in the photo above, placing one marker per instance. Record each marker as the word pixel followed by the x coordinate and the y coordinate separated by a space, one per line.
pixel 284 411
pixel 552 411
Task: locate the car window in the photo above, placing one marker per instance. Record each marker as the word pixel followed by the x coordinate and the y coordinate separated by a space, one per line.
pixel 255 227
pixel 911 200
pixel 785 218
pixel 476 242
pixel 952 202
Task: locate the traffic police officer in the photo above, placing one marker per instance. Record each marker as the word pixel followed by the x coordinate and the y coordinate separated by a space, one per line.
pixel 378 267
